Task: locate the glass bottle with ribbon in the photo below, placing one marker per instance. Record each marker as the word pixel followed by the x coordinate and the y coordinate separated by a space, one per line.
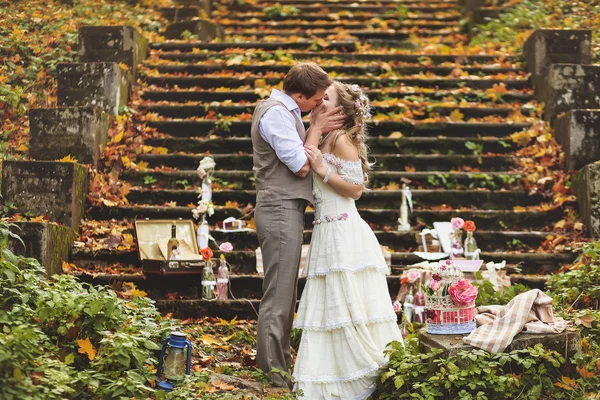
pixel 222 280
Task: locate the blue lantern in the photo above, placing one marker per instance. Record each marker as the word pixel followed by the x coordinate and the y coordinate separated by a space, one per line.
pixel 175 363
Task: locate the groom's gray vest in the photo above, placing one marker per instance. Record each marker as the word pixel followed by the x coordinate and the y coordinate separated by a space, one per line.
pixel 274 180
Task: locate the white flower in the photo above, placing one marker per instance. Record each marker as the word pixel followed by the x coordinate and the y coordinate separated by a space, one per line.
pixel 207 163
pixel 201 172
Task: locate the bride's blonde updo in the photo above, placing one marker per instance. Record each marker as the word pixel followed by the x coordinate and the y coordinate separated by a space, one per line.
pixel 356 106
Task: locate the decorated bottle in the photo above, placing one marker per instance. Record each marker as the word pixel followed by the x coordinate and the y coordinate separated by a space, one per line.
pixel 222 280
pixel 173 244
pixel 409 305
pixel 203 233
pixel 208 282
pixel 456 244
pixel 419 303
pixel 206 189
pixel 471 247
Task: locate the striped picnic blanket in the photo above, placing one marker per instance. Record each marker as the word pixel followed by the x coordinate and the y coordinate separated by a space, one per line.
pixel 529 312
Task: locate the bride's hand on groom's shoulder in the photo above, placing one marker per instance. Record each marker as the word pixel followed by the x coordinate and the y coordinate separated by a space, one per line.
pixel 327 120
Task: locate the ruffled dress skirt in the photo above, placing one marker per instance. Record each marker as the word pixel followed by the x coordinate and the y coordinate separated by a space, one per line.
pixel 345 313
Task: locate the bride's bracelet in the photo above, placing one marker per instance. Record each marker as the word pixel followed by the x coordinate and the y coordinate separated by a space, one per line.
pixel 326 177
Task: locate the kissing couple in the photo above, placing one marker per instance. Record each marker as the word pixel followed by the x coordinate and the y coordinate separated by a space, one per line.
pixel 345 313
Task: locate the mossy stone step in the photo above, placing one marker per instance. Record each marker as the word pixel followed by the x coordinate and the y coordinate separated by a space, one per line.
pixel 232 25
pixel 214 82
pixel 193 128
pixel 485 219
pixel 402 145
pixel 244 179
pixel 188 46
pixel 392 34
pixel 382 162
pixel 424 59
pixel 355 7
pixel 236 17
pixel 178 110
pixel 177 95
pixel 216 66
pixel 483 199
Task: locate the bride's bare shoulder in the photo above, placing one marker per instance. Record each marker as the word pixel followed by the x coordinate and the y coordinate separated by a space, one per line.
pixel 344 149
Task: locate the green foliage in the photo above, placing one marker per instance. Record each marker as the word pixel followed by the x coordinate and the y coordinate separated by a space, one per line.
pixel 476 148
pixel 149 180
pixel 477 374
pixel 42 320
pixel 279 11
pixel 223 124
pixel 582 281
pixel 488 295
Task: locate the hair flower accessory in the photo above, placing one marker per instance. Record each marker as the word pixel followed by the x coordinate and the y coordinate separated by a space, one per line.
pixel 357 104
pixel 355 88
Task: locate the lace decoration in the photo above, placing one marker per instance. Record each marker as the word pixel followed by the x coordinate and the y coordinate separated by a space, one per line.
pixel 330 218
pixel 350 171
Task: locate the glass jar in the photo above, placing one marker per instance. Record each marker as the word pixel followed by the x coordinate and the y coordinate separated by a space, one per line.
pixel 208 282
pixel 471 247
pixel 456 244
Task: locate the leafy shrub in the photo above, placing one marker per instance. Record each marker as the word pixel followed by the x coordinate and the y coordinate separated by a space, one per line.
pixel 62 339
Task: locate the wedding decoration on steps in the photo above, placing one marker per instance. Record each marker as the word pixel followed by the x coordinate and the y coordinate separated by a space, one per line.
pixel 449 301
pixel 403 223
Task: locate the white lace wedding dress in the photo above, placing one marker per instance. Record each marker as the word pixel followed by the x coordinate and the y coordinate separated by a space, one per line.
pixel 345 312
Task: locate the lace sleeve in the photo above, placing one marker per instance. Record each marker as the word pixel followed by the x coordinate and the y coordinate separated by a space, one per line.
pixel 352 173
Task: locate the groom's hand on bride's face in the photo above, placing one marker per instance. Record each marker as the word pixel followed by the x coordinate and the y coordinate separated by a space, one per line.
pixel 328 120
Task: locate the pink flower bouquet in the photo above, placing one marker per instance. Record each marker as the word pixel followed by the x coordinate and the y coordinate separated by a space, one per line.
pixel 462 292
pixel 457 223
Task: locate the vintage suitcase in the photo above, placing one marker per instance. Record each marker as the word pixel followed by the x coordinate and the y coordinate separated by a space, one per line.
pixel 152 238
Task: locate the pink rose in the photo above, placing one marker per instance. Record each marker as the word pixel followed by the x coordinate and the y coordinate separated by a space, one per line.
pixel 226 247
pixel 434 284
pixel 413 276
pixel 397 306
pixel 462 292
pixel 457 223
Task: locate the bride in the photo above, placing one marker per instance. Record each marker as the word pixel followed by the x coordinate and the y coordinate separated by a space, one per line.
pixel 345 312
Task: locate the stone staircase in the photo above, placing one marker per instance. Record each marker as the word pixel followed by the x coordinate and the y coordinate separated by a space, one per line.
pixel 441 124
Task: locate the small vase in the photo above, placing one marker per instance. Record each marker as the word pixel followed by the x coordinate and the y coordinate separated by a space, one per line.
pixel 222 281
pixel 456 244
pixel 471 247
pixel 208 282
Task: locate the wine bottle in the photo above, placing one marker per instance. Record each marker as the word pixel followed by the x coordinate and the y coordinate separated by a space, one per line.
pixel 173 244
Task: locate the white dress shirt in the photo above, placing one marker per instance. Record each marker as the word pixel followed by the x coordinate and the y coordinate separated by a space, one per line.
pixel 278 128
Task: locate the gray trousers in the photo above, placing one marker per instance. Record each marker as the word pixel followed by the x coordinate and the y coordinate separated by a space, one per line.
pixel 279 226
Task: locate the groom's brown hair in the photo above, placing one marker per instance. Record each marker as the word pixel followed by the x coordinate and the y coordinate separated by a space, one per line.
pixel 306 78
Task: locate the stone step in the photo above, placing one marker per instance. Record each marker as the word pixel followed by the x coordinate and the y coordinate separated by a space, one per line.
pixel 447 16
pixel 204 128
pixel 232 24
pixel 188 46
pixel 240 180
pixel 401 35
pixel 424 59
pixel 243 262
pixel 422 198
pixel 178 14
pixel 484 219
pixel 396 3
pixel 355 7
pixel 208 81
pixel 382 162
pixel 471 95
pixel 178 110
pixel 382 145
pixel 261 68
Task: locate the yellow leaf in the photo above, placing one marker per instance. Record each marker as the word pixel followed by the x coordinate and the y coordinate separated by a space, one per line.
pixel 456 115
pixel 138 293
pixel 396 135
pixel 209 340
pixel 584 372
pixel 578 226
pixel 68 159
pixel 124 66
pixel 562 386
pixel 519 209
pixel 142 165
pixel 85 347
pixel 23 147
pixel 560 224
pixel 260 83
pixel 126 161
pixel 228 338
pixel 118 137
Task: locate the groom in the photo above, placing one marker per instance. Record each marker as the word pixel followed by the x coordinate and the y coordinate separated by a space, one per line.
pixel 283 190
